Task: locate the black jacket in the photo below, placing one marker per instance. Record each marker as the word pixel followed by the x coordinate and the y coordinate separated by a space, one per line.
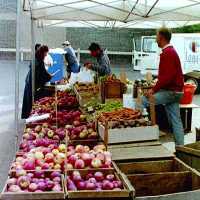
pixel 41 77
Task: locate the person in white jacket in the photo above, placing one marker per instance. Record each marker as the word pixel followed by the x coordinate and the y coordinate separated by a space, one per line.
pixel 48 61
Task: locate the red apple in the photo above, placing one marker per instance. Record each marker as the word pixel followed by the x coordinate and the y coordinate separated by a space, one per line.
pixel 90 186
pixel 96 163
pixel 86 157
pixel 79 149
pixel 79 164
pixel 99 176
pixel 69 166
pixel 72 159
pixel 49 157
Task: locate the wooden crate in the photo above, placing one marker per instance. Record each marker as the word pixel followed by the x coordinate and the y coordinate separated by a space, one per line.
pixel 141 151
pixel 163 179
pixel 190 154
pixel 125 192
pixel 5 195
pixel 82 100
pixel 125 135
pixel 111 90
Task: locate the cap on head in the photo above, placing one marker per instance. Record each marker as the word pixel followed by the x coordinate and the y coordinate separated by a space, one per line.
pixel 66 43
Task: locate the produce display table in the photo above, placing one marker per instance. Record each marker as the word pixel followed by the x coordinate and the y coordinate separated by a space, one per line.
pixel 186 116
pixel 115 155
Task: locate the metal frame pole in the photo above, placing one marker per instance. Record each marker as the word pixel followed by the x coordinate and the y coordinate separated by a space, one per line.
pixel 33 56
pixel 17 70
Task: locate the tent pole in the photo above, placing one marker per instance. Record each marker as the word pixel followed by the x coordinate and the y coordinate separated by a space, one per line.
pixel 33 56
pixel 17 71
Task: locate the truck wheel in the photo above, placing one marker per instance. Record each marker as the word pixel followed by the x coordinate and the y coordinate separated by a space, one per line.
pixel 195 82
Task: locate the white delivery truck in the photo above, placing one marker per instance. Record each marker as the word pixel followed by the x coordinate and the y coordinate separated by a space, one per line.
pixel 188 48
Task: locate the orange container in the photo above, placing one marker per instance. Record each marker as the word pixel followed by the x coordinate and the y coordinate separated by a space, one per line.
pixel 188 93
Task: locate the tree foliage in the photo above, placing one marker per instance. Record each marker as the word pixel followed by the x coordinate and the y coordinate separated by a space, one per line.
pixel 188 29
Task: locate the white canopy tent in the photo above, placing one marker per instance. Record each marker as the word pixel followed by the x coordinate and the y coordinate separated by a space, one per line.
pixel 101 13
pixel 114 13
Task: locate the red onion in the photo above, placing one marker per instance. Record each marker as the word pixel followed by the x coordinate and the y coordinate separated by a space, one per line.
pixel 55 174
pixel 90 186
pixel 57 179
pixel 32 187
pixel 50 185
pixel 81 185
pixel 92 180
pixel 99 176
pixel 39 174
pixel 11 181
pixel 23 182
pixel 107 185
pixel 14 188
pixel 42 186
pixel 70 185
pixel 110 177
pixel 57 188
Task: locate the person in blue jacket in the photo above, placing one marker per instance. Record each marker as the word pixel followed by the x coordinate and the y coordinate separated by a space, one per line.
pixel 103 66
pixel 71 59
pixel 41 78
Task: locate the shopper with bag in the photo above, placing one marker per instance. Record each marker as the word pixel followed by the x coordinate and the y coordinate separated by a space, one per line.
pixel 169 87
pixel 103 66
pixel 41 78
pixel 70 57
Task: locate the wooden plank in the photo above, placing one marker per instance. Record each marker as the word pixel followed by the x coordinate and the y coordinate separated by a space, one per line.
pixel 191 195
pixel 161 183
pixel 134 144
pixel 187 158
pixel 97 194
pixel 188 150
pixel 195 145
pixel 140 153
pixel 146 167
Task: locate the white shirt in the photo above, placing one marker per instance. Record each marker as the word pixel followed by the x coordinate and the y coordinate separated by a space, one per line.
pixel 48 61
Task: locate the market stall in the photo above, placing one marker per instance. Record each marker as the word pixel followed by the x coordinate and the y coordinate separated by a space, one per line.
pixel 74 151
pixel 95 150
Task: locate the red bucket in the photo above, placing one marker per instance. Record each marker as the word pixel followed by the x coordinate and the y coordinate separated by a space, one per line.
pixel 188 93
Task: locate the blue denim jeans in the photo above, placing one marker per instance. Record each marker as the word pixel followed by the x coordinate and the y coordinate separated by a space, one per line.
pixel 170 100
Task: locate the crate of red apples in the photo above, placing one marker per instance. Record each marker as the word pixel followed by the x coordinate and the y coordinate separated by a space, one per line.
pixel 23 184
pixel 41 158
pixel 88 157
pixel 62 99
pixel 96 184
pixel 61 118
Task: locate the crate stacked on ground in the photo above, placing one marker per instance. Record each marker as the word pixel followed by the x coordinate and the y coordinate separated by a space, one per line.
pixel 85 92
pixel 126 125
pixel 141 87
pixel 111 88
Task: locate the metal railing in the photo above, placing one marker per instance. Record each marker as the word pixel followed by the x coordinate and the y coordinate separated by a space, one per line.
pixel 78 52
